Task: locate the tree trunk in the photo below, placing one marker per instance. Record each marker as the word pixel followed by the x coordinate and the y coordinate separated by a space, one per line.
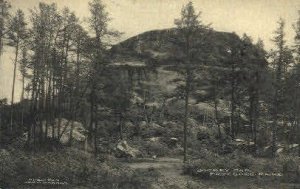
pixel 32 108
pixel 186 114
pixel 76 92
pixel 71 133
pixel 41 111
pixel 96 139
pixel 232 117
pixel 13 87
pixel 22 101
pixel 92 111
pixel 275 113
pixel 256 116
pixel 217 117
pixel 121 125
pixel 274 128
pixel 298 139
pixel 48 101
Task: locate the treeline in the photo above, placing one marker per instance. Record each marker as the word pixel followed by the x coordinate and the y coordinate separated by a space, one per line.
pixel 261 87
pixel 61 64
pixel 66 73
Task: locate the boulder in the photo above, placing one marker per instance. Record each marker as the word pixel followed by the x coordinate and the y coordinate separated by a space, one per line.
pixel 292 148
pixel 243 145
pixel 267 150
pixel 153 130
pixel 65 128
pixel 143 124
pixel 124 150
pixel 136 99
pixel 4 153
pixel 203 133
pixel 152 105
pixel 155 126
pixel 170 124
pixel 79 133
pixel 279 150
pixel 173 142
pixel 154 139
pixel 239 141
pixel 173 139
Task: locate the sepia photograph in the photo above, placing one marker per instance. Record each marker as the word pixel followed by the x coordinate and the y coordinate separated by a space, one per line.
pixel 149 94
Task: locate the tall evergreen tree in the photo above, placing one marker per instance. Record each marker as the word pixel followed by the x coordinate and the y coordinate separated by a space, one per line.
pixel 45 64
pixel 17 34
pixel 4 15
pixel 98 23
pixel 296 79
pixel 24 72
pixel 188 26
pixel 278 65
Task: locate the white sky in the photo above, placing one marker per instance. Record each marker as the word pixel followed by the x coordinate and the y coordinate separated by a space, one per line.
pixel 257 18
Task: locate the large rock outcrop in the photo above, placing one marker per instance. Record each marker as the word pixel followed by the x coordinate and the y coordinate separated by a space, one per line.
pixel 126 151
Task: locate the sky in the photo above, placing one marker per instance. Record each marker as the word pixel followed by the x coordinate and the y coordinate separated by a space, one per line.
pixel 256 18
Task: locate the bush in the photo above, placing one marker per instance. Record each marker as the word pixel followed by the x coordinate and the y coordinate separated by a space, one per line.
pixel 245 161
pixel 210 160
pixel 73 166
pixel 7 167
pixel 156 148
pixel 144 178
pixel 291 172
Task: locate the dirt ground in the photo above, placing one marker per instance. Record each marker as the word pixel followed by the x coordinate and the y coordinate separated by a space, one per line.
pixel 172 177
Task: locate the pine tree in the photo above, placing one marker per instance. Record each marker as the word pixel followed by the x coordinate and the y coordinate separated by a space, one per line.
pixel 296 79
pixel 279 65
pixel 24 72
pixel 4 15
pixel 98 23
pixel 46 68
pixel 17 34
pixel 297 39
pixel 188 26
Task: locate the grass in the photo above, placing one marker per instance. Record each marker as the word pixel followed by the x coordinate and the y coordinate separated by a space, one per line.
pixel 75 167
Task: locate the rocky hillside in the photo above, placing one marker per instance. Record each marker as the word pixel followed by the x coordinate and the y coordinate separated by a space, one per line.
pixel 213 51
pixel 165 47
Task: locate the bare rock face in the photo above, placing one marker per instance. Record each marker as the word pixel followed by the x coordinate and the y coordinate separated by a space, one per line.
pixel 69 128
pixel 292 149
pixel 64 130
pixel 124 150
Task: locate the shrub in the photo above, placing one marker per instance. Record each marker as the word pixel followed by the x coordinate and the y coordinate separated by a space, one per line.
pixel 291 172
pixel 70 165
pixel 245 161
pixel 210 160
pixel 143 178
pixel 7 167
